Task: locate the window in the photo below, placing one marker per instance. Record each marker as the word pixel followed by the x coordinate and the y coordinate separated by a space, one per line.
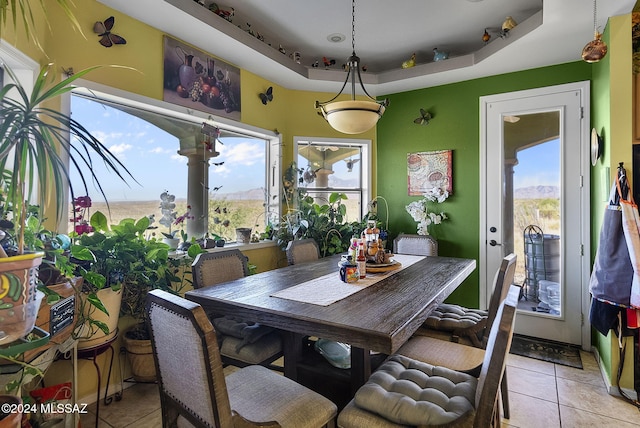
pixel 223 180
pixel 332 165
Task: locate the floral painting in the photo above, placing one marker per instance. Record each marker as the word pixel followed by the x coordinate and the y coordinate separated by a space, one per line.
pixel 198 81
pixel 428 170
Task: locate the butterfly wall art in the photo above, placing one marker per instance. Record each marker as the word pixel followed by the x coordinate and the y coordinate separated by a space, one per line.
pixel 424 118
pixel 107 38
pixel 267 96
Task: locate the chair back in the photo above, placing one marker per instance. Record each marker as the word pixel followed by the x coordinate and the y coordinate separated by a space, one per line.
pixel 498 345
pixel 190 374
pixel 503 280
pixel 219 266
pixel 302 251
pixel 415 245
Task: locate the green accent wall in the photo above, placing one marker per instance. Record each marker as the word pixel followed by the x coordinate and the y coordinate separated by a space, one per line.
pixel 456 126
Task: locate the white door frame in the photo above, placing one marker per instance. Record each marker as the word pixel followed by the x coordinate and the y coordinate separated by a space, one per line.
pixel 585 167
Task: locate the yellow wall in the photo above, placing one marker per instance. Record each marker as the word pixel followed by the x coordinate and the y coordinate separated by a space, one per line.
pixel 613 119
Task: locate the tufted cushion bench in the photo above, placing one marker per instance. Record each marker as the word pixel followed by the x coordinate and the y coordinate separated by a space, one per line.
pixel 410 392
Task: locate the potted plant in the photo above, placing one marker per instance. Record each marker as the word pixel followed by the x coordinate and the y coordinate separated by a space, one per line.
pixel 127 260
pixel 34 139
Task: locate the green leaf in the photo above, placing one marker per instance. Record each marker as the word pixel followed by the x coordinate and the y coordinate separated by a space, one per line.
pixel 142 224
pixel 101 325
pixel 97 303
pixel 194 250
pixel 99 221
pixel 83 253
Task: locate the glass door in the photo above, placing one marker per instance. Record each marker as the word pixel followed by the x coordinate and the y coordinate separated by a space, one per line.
pixel 534 206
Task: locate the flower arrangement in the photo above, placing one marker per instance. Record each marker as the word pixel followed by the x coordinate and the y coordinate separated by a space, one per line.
pixel 170 217
pixel 421 212
pixel 81 215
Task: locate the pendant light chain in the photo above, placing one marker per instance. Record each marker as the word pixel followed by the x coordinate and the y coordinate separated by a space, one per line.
pixel 595 21
pixel 353 25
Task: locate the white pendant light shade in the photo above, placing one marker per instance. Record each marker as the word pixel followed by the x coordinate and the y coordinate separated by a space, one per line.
pixel 352 117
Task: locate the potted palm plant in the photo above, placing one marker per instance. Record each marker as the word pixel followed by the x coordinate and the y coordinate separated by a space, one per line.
pixel 34 141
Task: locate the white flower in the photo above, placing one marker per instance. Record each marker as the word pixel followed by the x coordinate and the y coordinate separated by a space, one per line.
pixel 419 210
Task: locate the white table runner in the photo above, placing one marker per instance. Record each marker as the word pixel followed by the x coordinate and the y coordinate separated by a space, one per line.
pixel 328 289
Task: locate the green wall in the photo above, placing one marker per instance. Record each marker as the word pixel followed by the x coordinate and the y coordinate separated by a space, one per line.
pixel 455 125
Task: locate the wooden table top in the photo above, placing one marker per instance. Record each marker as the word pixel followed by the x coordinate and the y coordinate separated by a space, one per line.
pixel 380 317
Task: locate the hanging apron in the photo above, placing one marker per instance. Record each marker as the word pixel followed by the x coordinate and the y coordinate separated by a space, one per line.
pixel 613 271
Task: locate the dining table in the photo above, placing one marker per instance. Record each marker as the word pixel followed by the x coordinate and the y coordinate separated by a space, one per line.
pixel 382 313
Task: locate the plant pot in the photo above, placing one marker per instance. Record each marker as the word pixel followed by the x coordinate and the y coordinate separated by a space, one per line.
pixel 243 235
pixel 88 337
pixel 140 353
pixel 18 295
pixel 220 242
pixel 172 242
pixel 10 420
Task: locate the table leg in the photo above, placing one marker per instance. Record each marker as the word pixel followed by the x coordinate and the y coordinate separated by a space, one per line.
pixel 292 350
pixel 360 367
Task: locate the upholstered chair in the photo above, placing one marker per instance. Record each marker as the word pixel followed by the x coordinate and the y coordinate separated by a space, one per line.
pixel 416 245
pixel 241 343
pixel 194 390
pixel 406 392
pixel 302 251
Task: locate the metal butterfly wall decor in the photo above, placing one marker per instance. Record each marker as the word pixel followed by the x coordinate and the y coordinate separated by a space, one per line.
pixel 424 118
pixel 107 38
pixel 267 96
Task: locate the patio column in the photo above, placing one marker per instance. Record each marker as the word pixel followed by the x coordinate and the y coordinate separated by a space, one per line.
pixel 198 190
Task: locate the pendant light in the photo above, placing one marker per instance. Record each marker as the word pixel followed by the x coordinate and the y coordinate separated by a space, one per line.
pixel 596 49
pixel 354 116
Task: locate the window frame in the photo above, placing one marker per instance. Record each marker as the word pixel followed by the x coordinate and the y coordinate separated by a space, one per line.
pixel 365 169
pixel 273 161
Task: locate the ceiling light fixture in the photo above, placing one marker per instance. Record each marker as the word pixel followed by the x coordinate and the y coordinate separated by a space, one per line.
pixel 354 116
pixel 596 49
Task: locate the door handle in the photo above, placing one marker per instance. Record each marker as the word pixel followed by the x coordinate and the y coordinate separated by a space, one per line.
pixel 493 243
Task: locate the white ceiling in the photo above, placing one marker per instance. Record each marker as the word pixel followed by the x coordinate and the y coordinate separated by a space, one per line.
pixel 386 34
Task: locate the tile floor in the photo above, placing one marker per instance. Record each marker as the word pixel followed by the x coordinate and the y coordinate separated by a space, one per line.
pixel 542 395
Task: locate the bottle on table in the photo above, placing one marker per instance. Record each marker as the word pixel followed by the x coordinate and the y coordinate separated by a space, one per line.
pixel 361 260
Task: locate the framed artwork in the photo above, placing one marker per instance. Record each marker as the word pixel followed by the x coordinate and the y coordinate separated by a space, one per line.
pixel 426 170
pixel 198 81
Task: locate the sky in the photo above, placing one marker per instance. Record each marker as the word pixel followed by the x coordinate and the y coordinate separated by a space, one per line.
pixel 151 156
pixel 538 166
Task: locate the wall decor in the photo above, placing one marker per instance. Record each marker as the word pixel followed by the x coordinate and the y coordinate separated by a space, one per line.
pixel 424 118
pixel 426 170
pixel 107 38
pixel 197 80
pixel 267 96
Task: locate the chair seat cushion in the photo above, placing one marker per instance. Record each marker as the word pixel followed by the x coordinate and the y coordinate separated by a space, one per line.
pixel 406 391
pixel 259 394
pixel 454 317
pixel 248 332
pixel 252 353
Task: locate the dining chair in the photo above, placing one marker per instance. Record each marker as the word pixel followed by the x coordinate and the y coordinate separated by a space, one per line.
pixel 416 245
pixel 241 343
pixel 455 356
pixel 194 390
pixel 407 392
pixel 454 321
pixel 302 251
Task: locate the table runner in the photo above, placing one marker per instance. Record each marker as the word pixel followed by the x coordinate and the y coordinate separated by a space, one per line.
pixel 328 289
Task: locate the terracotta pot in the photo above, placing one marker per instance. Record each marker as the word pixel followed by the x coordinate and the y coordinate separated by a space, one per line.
pixel 19 302
pixel 140 356
pixel 14 419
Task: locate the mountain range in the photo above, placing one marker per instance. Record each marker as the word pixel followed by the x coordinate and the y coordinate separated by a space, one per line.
pixel 537 192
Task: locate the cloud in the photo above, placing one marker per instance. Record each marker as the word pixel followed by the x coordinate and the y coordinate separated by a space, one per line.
pixel 120 149
pixel 178 158
pixel 160 150
pixel 246 153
